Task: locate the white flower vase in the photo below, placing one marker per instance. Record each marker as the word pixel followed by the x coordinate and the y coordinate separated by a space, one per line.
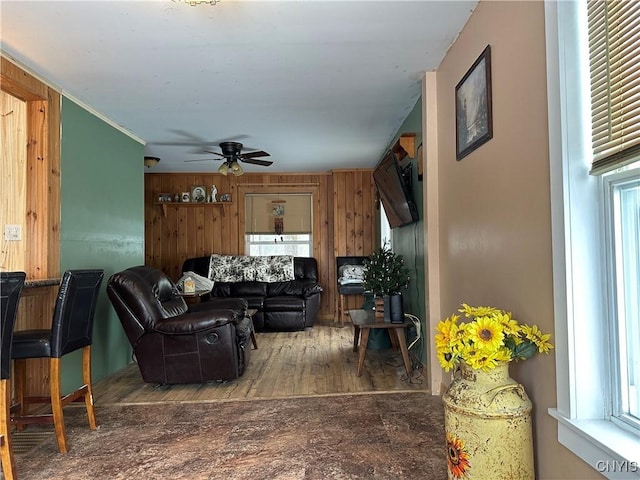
pixel 488 426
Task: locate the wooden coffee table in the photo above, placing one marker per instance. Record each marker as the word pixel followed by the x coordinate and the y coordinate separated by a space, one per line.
pixel 365 320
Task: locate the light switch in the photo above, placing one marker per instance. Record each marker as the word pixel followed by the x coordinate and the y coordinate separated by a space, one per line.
pixel 12 233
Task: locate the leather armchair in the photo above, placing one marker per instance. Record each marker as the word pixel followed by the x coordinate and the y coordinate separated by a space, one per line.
pixel 173 343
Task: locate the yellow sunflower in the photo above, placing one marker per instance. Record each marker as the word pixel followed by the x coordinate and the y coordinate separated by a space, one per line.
pixel 472 312
pixel 447 358
pixel 533 334
pixel 486 333
pixel 509 325
pixel 483 360
pixel 447 330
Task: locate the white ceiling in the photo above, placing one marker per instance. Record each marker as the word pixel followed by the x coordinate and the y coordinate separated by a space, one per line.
pixel 320 85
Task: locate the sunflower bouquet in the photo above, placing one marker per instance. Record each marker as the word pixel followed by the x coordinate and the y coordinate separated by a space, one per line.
pixel 489 337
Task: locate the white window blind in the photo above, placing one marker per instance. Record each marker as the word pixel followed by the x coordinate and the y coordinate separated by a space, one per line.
pixel 291 211
pixel 614 58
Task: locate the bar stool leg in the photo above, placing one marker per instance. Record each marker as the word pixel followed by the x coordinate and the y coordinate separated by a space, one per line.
pixel 6 450
pixel 56 403
pixel 86 378
pixel 20 382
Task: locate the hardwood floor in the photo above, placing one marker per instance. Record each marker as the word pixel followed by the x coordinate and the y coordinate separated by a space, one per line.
pixel 316 362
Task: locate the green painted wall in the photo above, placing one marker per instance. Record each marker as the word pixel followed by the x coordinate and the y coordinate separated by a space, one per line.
pixel 408 240
pixel 102 223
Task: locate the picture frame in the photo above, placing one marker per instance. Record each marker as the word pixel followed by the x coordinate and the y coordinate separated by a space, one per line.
pixel 198 193
pixel 474 113
pixel 225 197
pixel 185 197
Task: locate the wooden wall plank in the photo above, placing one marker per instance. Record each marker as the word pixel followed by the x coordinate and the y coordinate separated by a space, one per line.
pixel 13 181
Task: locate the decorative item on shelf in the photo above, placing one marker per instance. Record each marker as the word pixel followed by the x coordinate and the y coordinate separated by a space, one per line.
pixel 186 197
pixel 385 275
pixel 484 405
pixel 198 194
pixel 225 197
pixel 214 193
pixel 176 197
pixel 164 197
pixel 278 216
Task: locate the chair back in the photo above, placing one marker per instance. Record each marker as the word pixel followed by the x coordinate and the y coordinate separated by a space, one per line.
pixel 142 296
pixel 72 326
pixel 11 284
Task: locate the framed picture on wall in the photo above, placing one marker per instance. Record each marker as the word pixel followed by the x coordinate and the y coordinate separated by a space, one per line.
pixel 474 116
pixel 198 194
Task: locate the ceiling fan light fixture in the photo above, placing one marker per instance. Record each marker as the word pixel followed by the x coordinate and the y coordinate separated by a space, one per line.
pixel 151 161
pixel 236 169
pixel 223 169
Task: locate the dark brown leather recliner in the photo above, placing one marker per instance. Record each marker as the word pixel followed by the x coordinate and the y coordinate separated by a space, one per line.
pixel 173 343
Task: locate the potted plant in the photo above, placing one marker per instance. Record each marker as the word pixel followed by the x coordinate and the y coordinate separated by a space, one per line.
pixel 385 276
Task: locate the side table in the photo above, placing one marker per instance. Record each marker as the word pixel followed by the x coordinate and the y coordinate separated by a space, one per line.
pixel 365 320
pixel 192 297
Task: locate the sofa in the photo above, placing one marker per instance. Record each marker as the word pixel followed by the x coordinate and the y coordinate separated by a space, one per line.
pixel 286 295
pixel 174 343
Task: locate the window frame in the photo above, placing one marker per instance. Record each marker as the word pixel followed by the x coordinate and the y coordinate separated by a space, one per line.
pixel 248 242
pixel 583 357
pixel 613 184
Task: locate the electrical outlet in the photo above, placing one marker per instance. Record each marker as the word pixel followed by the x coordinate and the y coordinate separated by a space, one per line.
pixel 13 233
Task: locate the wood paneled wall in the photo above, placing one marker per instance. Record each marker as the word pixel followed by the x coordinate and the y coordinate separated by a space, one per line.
pixel 31 197
pixel 343 218
pixel 355 216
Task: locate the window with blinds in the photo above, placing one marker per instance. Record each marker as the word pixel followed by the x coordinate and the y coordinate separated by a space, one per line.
pixel 614 61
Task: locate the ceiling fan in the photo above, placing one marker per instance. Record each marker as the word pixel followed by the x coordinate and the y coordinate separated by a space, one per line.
pixel 232 154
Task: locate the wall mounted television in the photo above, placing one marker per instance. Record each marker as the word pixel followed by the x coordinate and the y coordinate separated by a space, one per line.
pixel 395 192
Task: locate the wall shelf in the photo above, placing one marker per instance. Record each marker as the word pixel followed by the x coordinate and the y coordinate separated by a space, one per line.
pixel 164 205
pixel 406 145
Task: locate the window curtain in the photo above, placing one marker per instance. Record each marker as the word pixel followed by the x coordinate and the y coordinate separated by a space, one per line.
pixel 614 63
pixel 287 214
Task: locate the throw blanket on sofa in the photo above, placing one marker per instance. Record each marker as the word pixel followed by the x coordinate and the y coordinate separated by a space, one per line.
pixel 242 268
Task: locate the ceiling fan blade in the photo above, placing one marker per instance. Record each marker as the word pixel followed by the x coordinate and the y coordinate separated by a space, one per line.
pixel 204 160
pixel 255 161
pixel 215 153
pixel 259 153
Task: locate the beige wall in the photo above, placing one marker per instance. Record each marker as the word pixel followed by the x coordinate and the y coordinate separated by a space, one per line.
pixel 493 218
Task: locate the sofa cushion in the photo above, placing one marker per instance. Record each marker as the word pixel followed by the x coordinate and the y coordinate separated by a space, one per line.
pixel 292 287
pixel 351 274
pixel 284 304
pixel 248 289
pixel 255 302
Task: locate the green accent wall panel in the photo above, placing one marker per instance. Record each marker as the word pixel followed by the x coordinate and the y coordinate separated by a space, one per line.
pixel 408 240
pixel 102 223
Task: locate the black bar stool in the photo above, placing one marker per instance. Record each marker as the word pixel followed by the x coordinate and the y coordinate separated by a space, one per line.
pixel 71 330
pixel 11 284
